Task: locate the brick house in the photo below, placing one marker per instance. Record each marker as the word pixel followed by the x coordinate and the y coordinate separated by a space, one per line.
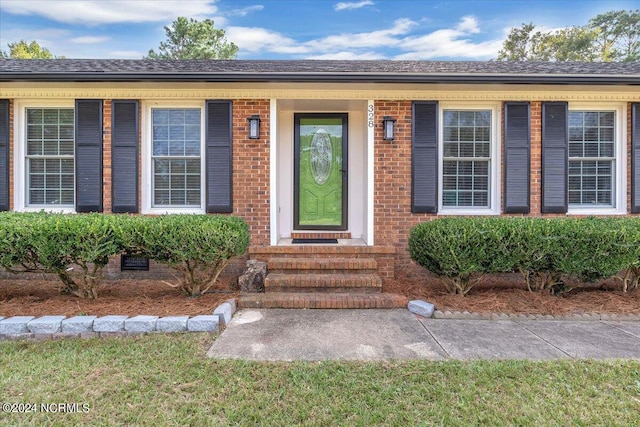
pixel 355 150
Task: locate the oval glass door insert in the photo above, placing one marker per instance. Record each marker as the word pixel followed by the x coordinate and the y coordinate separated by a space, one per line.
pixel 321 156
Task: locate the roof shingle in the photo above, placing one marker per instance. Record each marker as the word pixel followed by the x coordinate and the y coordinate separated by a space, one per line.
pixel 317 70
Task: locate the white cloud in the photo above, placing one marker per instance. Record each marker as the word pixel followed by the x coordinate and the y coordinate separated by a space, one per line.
pixel 93 12
pixel 246 10
pixel 451 42
pixel 89 39
pixel 260 39
pixel 468 24
pixel 352 5
pixel 380 38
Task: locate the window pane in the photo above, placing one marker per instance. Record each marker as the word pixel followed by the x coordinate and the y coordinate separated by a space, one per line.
pixel 467 136
pixel 466 184
pixel 591 183
pixel 450 118
pixel 193 197
pixel 176 135
pixel 483 118
pixel 50 175
pixel 173 182
pixel 591 179
pixel 34 148
pixel 467 118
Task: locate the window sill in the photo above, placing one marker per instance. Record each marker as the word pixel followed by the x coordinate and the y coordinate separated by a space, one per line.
pixel 595 211
pixel 171 211
pixel 467 212
pixel 49 209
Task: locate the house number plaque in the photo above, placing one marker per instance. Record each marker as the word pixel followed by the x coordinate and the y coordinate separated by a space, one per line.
pixel 370 115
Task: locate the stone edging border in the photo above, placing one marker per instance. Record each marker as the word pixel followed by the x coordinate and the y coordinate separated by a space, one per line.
pixel 462 315
pixel 51 327
pixel 426 309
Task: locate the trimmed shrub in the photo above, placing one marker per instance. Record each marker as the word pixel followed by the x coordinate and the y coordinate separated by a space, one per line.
pixel 545 251
pixel 74 247
pixel 198 247
pixel 459 250
pixel 630 278
pixel 16 251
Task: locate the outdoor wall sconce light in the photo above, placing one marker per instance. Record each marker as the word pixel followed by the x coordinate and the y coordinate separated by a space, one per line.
pixel 388 125
pixel 254 126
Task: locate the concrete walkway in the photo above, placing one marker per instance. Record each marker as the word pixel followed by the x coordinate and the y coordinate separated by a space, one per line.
pixel 273 334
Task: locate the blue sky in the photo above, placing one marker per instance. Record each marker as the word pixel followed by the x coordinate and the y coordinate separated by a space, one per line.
pixel 294 29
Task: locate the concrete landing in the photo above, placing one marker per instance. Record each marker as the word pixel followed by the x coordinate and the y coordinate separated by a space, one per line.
pixel 312 335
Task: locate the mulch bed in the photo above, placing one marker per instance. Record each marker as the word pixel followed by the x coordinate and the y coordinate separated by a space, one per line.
pixel 495 294
pixel 127 297
pixel 508 294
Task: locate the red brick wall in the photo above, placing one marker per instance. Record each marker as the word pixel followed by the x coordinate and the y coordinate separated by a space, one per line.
pixel 251 168
pixel 392 171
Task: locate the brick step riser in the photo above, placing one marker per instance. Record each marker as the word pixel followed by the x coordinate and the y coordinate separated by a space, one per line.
pixel 323 301
pixel 321 271
pixel 353 281
pixel 323 289
pixel 303 265
pixel 328 284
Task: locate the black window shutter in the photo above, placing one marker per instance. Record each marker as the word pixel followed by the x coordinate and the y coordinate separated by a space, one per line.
pixel 517 153
pixel 124 156
pixel 635 158
pixel 88 155
pixel 4 154
pixel 555 160
pixel 219 170
pixel 424 158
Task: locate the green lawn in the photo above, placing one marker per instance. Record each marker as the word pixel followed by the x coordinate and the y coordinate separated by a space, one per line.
pixel 167 380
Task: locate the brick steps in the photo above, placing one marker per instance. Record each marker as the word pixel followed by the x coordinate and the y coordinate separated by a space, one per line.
pixel 322 300
pixel 324 276
pixel 322 265
pixel 331 282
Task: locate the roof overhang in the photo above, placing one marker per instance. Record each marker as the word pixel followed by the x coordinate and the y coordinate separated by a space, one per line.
pixel 324 77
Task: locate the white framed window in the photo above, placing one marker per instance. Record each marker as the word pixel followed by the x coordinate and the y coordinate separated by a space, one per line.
pixel 597 159
pixel 469 159
pixel 44 160
pixel 173 161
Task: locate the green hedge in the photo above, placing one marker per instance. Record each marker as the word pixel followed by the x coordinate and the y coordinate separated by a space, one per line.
pixel 198 247
pixel 74 247
pixel 544 251
pixel 77 247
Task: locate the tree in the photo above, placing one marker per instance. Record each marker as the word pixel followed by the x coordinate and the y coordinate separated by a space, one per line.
pixel 617 35
pixel 192 39
pixel 611 36
pixel 568 44
pixel 26 50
